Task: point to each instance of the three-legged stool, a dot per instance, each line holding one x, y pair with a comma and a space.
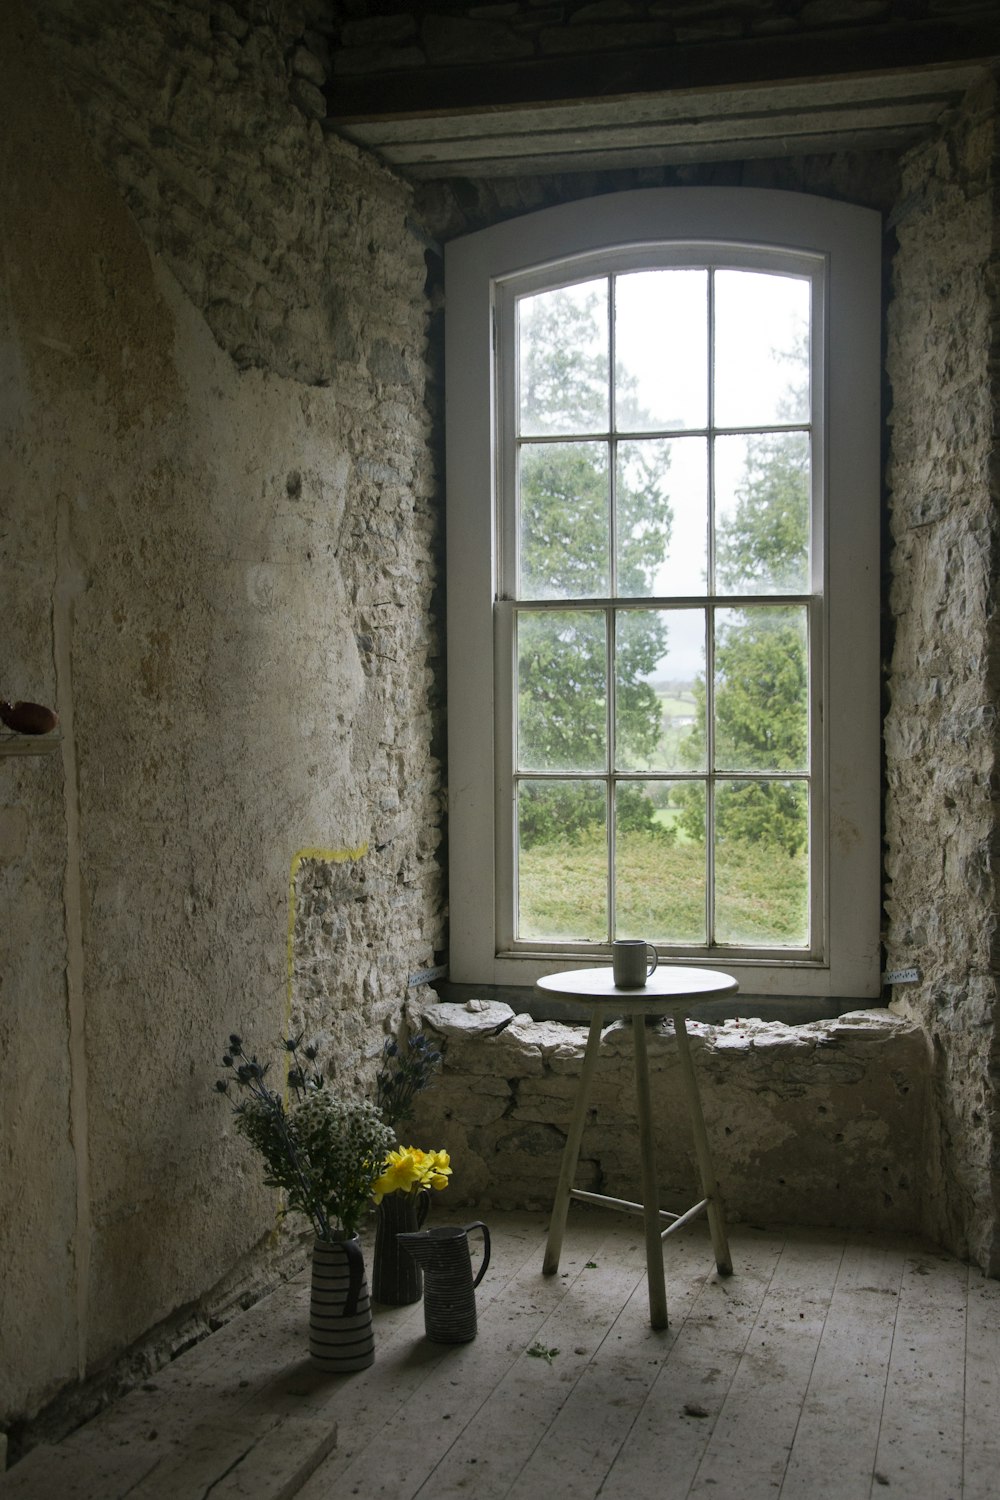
669, 991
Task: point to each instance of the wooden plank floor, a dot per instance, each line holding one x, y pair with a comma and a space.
828, 1367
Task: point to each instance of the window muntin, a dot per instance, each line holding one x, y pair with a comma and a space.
740, 224
616, 379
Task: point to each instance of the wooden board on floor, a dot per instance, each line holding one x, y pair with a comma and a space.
674, 1426
57, 1472
755, 1428
845, 1389
219, 1401
512, 1388
981, 1430
920, 1441
587, 1433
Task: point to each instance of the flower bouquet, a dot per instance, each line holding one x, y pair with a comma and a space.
326, 1154
324, 1151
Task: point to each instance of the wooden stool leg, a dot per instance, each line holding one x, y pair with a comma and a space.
650, 1180
706, 1168
571, 1151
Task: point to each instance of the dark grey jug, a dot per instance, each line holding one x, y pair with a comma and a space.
449, 1289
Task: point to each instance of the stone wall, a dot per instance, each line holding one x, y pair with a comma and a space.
219, 550
206, 116
818, 1124
941, 726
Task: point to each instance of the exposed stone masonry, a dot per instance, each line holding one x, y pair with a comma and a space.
276, 231
941, 727
450, 208
815, 1124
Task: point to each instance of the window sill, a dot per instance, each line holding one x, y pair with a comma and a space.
795, 1010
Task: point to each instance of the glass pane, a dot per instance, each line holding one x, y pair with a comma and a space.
660, 689
761, 349
564, 527
662, 521
762, 487
661, 351
562, 360
761, 689
762, 863
562, 690
562, 863
660, 861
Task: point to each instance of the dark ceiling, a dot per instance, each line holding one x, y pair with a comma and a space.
883, 89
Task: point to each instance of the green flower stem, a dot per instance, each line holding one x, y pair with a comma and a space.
306, 1201
323, 1152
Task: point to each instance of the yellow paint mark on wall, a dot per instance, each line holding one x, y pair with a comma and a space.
329, 856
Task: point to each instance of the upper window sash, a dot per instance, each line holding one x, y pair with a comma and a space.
506, 291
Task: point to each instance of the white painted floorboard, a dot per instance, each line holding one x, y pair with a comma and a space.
828, 1367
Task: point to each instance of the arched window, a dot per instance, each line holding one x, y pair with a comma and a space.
662, 423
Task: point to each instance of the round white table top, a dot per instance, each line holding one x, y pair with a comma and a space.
670, 983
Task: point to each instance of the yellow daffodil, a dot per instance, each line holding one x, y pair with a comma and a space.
439, 1169
410, 1170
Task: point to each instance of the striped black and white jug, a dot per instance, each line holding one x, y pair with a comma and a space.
444, 1256
341, 1336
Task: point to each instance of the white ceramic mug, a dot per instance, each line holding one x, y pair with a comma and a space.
629, 962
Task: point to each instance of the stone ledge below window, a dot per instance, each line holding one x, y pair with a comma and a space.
820, 1123
793, 1010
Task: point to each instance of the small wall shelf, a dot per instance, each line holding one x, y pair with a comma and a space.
29, 744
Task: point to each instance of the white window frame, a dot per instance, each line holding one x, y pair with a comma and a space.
844, 242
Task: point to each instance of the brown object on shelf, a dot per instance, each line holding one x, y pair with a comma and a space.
28, 718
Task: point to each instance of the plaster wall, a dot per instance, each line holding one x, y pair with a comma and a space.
218, 562
941, 725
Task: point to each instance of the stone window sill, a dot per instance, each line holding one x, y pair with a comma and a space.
524, 1000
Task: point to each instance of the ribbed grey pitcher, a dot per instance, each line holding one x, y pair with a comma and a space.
449, 1289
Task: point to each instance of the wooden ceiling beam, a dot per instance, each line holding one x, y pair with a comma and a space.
496, 86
